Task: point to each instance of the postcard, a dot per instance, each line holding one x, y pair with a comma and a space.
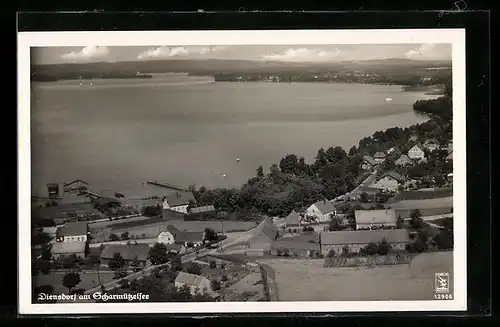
281, 171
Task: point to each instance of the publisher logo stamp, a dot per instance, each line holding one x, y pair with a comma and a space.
442, 283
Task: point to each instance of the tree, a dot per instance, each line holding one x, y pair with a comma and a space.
70, 280
289, 164
136, 264
113, 237
346, 250
363, 197
215, 284
194, 269
416, 221
117, 262
260, 172
125, 236
331, 253
352, 150
210, 235
158, 254
40, 238
383, 247
371, 249
46, 254
400, 222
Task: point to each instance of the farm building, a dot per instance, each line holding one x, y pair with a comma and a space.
431, 144
322, 211
389, 182
298, 246
257, 241
197, 284
356, 240
129, 253
367, 219
61, 250
179, 201
73, 232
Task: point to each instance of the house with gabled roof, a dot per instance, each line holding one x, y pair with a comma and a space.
356, 240
129, 253
413, 138
367, 219
393, 151
322, 211
61, 250
417, 152
179, 201
73, 232
368, 163
197, 284
379, 157
389, 181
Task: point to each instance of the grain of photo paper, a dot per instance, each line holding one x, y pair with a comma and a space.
281, 171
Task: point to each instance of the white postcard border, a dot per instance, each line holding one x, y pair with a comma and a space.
456, 37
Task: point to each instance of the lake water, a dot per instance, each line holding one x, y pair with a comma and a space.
187, 130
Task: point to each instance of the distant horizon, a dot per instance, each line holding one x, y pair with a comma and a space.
245, 60
289, 54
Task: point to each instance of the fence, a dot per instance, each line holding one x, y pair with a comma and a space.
370, 261
270, 290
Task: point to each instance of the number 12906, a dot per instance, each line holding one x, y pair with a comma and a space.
443, 297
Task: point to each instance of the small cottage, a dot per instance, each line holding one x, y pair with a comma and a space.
431, 144
179, 201
389, 182
379, 157
322, 211
129, 253
367, 219
197, 284
417, 152
73, 232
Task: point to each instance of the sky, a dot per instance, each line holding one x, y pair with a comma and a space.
288, 53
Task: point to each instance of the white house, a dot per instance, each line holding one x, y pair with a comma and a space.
179, 201
323, 211
73, 232
379, 157
416, 152
166, 237
389, 182
197, 284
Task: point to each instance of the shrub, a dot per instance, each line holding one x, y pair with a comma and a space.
213, 264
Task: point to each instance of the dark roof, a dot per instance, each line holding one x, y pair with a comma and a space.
172, 214
106, 200
75, 181
370, 160
382, 216
365, 236
392, 174
418, 144
403, 158
127, 251
293, 218
265, 232
203, 209
173, 247
431, 141
180, 198
73, 229
183, 236
324, 206
379, 155
68, 247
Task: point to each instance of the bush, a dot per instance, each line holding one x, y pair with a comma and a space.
113, 237
213, 264
215, 285
331, 253
224, 277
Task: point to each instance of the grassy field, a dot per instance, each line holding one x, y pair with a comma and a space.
446, 202
89, 280
308, 280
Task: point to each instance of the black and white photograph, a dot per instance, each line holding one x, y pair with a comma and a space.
278, 170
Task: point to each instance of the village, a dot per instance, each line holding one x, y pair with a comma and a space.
157, 238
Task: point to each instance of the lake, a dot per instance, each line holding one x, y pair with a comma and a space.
189, 130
